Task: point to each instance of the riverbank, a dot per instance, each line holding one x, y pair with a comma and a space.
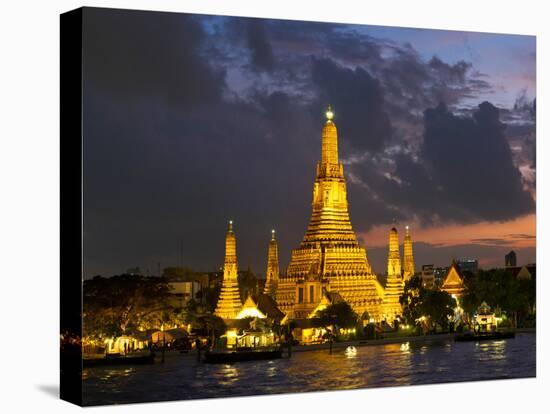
391, 340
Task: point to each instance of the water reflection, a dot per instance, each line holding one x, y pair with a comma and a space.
229, 374
182, 377
351, 352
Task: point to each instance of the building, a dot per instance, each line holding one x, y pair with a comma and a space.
453, 283
510, 260
229, 303
394, 280
408, 258
528, 271
261, 306
181, 292
329, 257
272, 273
485, 320
428, 276
468, 265
439, 274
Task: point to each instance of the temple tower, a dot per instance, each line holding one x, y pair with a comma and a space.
394, 281
272, 273
408, 259
329, 258
229, 303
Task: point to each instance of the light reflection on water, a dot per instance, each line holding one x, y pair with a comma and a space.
181, 377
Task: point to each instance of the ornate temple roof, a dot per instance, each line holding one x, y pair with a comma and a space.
453, 283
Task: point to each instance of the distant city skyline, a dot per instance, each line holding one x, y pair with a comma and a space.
192, 120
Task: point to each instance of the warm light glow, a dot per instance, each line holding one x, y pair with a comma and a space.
231, 333
250, 313
351, 350
329, 114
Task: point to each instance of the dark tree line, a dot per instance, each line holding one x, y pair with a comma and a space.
421, 305
120, 303
501, 289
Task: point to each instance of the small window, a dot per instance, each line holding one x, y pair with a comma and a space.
311, 294
300, 295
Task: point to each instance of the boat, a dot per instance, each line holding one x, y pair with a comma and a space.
137, 359
469, 336
225, 356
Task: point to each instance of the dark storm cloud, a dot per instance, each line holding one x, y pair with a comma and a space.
359, 102
473, 163
464, 173
142, 55
260, 48
492, 241
202, 169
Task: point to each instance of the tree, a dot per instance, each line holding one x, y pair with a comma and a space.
111, 305
500, 288
338, 314
411, 299
438, 306
213, 325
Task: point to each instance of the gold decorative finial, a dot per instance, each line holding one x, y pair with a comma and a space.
329, 114
230, 225
272, 234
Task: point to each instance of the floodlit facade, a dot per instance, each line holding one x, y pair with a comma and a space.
408, 257
453, 283
272, 273
229, 303
394, 280
329, 257
485, 319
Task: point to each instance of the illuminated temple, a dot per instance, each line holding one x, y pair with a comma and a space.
408, 259
272, 273
394, 280
229, 303
329, 259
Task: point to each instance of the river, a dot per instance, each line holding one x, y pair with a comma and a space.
182, 377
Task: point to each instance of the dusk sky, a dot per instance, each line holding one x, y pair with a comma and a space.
192, 120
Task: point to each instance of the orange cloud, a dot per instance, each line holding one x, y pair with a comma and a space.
518, 233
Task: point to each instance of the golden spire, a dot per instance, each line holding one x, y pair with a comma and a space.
230, 251
229, 303
272, 273
394, 281
329, 257
329, 145
408, 259
394, 260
